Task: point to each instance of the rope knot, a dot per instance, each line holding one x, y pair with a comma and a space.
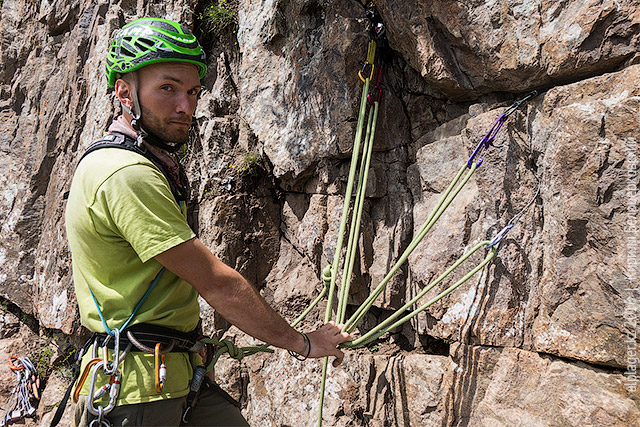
230, 347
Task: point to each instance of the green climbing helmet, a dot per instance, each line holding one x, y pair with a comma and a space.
148, 41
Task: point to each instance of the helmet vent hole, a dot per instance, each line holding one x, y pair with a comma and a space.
144, 43
126, 52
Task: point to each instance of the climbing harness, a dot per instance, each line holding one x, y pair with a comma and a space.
144, 338
27, 388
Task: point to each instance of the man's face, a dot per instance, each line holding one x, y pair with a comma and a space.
168, 94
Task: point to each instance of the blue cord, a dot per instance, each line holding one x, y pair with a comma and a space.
126, 323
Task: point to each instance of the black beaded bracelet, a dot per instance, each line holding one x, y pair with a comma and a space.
307, 346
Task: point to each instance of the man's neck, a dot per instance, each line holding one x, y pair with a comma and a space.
123, 125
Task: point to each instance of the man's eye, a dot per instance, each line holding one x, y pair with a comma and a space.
165, 87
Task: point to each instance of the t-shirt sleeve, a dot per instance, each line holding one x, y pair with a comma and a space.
136, 204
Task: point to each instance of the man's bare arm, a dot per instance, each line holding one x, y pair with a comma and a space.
237, 301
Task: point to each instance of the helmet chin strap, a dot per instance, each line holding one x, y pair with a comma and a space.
136, 124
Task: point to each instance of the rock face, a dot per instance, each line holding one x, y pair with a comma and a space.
544, 335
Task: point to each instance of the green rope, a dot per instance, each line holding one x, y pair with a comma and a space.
347, 200
326, 280
235, 352
354, 231
325, 365
446, 199
386, 326
343, 224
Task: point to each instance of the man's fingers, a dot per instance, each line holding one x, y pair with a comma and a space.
339, 357
325, 341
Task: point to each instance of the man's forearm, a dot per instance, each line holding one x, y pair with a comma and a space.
230, 294
241, 304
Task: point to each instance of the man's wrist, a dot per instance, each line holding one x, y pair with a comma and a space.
306, 349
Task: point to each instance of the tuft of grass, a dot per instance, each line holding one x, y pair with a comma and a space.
249, 165
42, 361
217, 17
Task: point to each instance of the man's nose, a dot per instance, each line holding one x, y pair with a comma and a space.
186, 104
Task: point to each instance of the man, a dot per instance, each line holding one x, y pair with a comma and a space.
136, 262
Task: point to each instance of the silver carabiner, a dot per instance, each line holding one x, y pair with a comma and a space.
111, 368
113, 393
92, 387
99, 422
94, 349
122, 355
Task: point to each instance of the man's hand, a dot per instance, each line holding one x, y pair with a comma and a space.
324, 342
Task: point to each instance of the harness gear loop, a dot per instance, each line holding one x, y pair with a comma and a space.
147, 349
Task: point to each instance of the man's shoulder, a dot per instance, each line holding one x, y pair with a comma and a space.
114, 169
104, 162
114, 157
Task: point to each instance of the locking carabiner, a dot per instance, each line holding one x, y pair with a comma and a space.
160, 368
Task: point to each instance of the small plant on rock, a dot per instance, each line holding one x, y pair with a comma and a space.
249, 165
217, 17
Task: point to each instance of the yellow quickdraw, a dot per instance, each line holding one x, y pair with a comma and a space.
371, 56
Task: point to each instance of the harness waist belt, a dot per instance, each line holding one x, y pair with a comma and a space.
144, 337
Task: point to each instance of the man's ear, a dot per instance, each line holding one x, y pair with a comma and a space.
124, 92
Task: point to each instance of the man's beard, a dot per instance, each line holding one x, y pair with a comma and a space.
158, 129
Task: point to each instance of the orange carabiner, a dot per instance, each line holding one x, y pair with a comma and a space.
83, 378
160, 368
13, 367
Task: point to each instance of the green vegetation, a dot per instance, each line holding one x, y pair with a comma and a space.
217, 17
249, 165
42, 361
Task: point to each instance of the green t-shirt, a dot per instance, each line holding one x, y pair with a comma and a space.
120, 215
